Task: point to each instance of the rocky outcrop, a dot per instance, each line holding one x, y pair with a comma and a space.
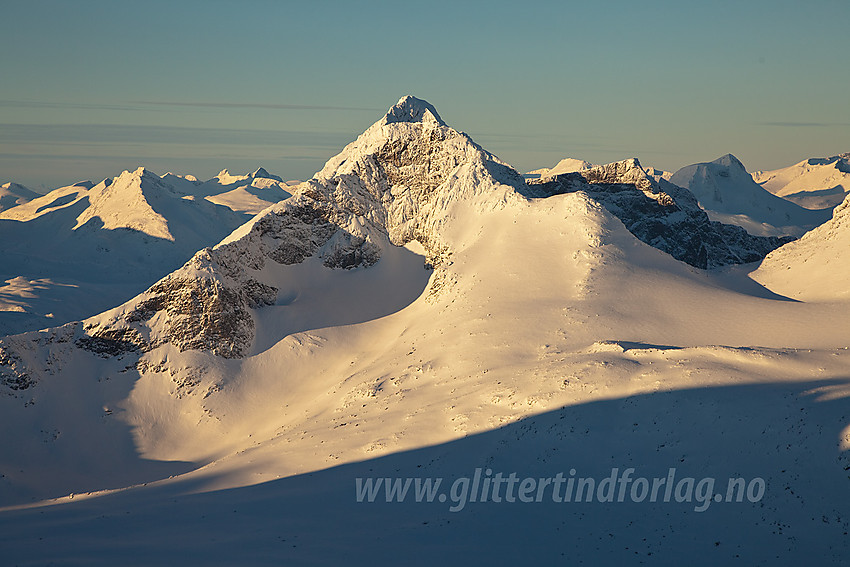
203, 313
13, 372
111, 342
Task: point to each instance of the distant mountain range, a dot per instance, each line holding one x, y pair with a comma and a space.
83, 248
815, 183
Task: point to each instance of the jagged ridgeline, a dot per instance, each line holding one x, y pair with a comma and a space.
400, 181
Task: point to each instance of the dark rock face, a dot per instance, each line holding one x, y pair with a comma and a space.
297, 232
662, 215
419, 164
13, 373
353, 251
197, 313
112, 342
204, 314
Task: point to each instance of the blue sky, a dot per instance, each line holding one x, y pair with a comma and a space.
90, 88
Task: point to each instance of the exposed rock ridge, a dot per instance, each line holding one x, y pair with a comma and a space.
662, 215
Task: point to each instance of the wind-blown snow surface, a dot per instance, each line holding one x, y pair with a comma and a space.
84, 248
728, 194
815, 183
242, 395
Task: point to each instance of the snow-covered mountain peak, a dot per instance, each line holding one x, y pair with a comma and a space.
170, 177
406, 171
125, 203
224, 177
412, 109
140, 171
660, 214
15, 187
731, 162
568, 165
146, 181
838, 160
398, 182
262, 173
11, 185
729, 194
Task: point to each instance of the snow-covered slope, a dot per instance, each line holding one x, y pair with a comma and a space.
14, 194
816, 267
413, 310
728, 193
815, 183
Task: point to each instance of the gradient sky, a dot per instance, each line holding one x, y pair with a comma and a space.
90, 88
